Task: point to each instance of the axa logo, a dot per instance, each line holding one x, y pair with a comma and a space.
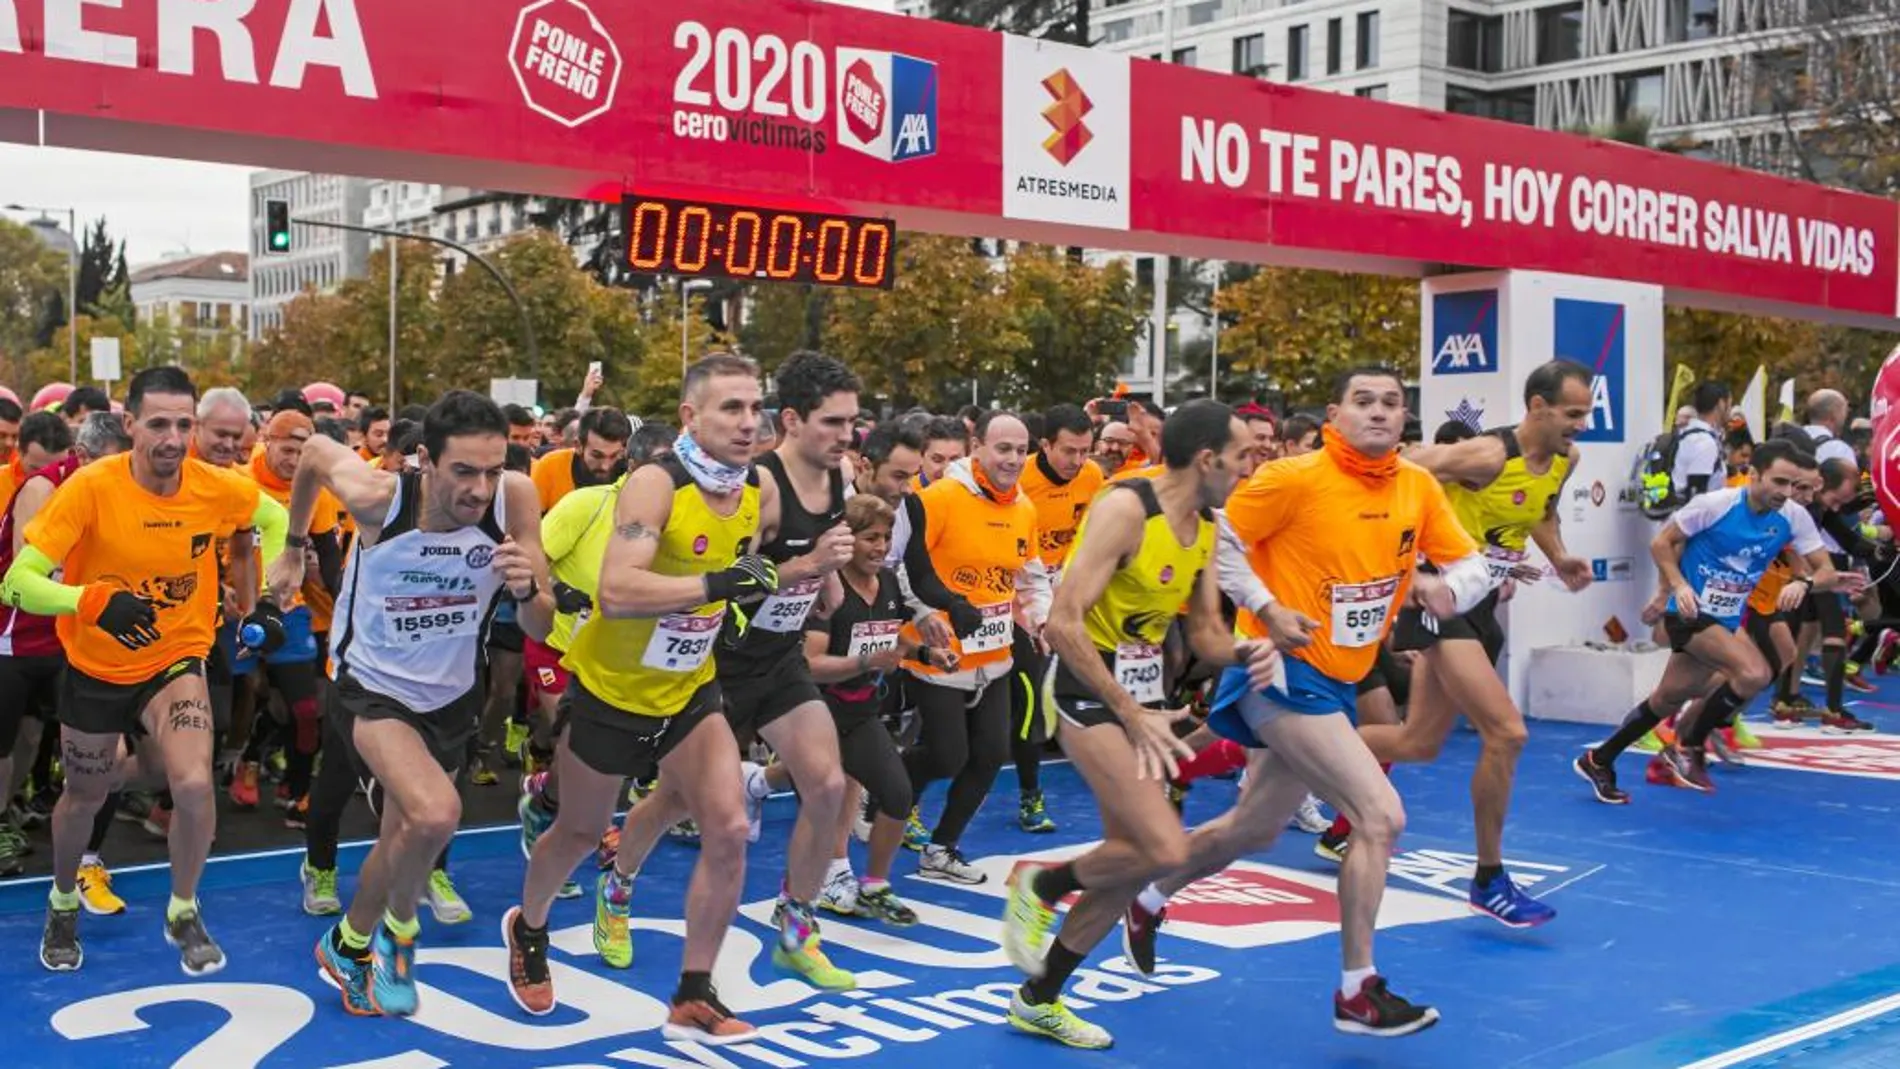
1065, 116
887, 105
1465, 333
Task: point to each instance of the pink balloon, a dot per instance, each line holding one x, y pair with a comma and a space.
9, 395
51, 395
323, 391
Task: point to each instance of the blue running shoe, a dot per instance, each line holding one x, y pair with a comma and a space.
392, 986
348, 974
1502, 901
535, 819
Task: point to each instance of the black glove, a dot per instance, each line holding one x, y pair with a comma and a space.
750, 576
964, 618
569, 600
263, 629
130, 620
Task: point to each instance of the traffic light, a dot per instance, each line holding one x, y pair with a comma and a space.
277, 226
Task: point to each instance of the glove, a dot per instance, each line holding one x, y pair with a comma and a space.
750, 576
128, 618
263, 629
569, 600
964, 619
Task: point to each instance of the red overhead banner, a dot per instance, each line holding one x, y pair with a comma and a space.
793, 103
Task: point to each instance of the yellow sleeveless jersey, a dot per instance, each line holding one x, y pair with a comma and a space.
1501, 515
574, 535
653, 666
1143, 599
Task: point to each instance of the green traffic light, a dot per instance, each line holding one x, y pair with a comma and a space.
280, 241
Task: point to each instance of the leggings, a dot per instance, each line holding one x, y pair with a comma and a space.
869, 756
964, 738
336, 782
1028, 734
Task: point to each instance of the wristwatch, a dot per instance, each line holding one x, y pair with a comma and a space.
297, 541
534, 589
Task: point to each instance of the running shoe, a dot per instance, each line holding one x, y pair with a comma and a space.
1376, 1011
797, 950
861, 827
1688, 768
569, 891
1027, 922
515, 742
348, 975
1885, 653
319, 891
1139, 929
536, 819
613, 905
1743, 736
158, 822
1791, 712
529, 982
244, 786
1032, 817
705, 1020
1308, 818
916, 836
1853, 681
755, 792
882, 904
297, 814
1332, 846
198, 953
840, 894
95, 891
685, 831
59, 941
1724, 749
13, 856
1843, 723
1058, 1022
444, 902
1601, 778
946, 863
482, 775
392, 979
1501, 900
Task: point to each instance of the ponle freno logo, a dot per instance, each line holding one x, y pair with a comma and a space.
1066, 135
567, 65
1072, 105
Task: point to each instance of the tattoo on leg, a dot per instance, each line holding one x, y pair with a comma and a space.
83, 760
189, 714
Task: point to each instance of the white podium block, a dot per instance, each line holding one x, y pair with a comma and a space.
1590, 686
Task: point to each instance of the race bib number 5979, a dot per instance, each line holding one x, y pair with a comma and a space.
1360, 611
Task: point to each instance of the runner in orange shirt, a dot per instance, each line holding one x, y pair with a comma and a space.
600, 458
137, 605
1334, 537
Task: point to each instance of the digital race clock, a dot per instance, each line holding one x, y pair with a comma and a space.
696, 237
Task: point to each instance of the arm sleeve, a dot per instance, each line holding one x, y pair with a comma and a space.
925, 588
1235, 571
273, 526
29, 585
329, 560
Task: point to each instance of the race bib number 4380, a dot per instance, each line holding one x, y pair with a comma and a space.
1360, 611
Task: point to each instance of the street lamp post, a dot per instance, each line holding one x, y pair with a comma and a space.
72, 283
527, 327
686, 304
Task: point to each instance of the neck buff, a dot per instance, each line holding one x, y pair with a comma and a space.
1357, 464
1001, 497
713, 476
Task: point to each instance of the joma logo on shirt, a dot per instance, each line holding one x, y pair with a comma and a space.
441, 551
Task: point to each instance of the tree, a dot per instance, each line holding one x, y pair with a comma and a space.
1080, 322
650, 386
31, 278
944, 323
782, 318
343, 336
1300, 328
1054, 20
53, 363
101, 267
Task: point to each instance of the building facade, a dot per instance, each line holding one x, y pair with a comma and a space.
319, 257
197, 296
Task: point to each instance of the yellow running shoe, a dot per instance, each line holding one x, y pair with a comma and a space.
613, 904
806, 959
1744, 738
1027, 920
1058, 1023
95, 892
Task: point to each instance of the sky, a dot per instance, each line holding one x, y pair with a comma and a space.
159, 207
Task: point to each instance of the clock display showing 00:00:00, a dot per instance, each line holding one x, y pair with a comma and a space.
692, 238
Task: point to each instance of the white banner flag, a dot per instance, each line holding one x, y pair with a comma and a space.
1754, 406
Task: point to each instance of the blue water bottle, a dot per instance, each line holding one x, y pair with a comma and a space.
251, 635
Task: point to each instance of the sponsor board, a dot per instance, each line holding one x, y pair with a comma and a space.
1066, 155
1592, 333
1465, 332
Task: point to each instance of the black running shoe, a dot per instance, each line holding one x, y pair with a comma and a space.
1139, 928
1602, 779
1376, 1011
59, 943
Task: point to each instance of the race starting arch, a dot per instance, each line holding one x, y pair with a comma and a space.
802, 106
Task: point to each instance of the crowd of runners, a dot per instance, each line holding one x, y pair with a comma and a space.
652, 622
